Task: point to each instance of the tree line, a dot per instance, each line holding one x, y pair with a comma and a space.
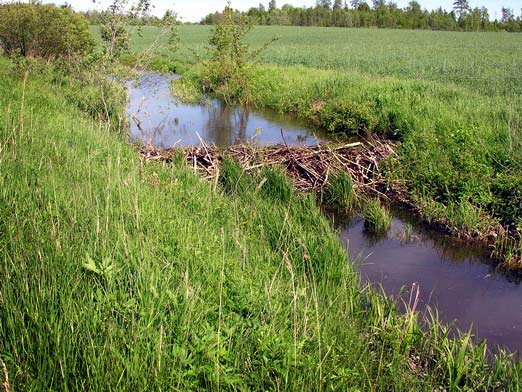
380, 14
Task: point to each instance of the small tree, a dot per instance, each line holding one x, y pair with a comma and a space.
114, 21
461, 7
338, 5
226, 73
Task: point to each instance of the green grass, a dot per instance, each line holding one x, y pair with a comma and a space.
377, 218
122, 276
487, 63
340, 192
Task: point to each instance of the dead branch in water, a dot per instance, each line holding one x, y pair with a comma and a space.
309, 167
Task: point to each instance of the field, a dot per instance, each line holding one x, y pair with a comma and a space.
482, 62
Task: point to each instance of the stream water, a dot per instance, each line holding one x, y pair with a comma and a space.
159, 119
459, 281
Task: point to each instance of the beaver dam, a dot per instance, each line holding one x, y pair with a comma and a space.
309, 167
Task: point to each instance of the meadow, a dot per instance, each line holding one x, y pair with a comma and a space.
118, 275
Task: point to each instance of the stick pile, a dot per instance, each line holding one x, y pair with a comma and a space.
309, 167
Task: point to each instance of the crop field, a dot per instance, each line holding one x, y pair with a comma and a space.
482, 62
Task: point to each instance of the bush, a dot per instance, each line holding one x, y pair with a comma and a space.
35, 30
347, 118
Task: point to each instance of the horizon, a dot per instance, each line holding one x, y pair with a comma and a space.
187, 12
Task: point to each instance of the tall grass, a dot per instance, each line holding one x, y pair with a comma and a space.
116, 275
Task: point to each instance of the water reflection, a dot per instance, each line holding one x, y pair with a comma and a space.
157, 118
460, 281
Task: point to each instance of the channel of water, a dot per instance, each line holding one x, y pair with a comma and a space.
461, 282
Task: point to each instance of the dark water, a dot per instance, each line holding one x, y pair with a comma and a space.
459, 281
159, 119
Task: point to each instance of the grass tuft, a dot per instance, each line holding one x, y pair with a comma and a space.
339, 192
276, 185
377, 218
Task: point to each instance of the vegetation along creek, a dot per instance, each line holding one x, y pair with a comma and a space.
460, 282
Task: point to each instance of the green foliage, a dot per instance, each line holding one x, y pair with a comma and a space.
377, 218
382, 15
36, 30
340, 192
226, 73
115, 36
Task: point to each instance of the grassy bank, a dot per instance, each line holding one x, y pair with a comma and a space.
117, 275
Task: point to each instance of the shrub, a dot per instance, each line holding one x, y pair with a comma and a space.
348, 118
35, 30
226, 72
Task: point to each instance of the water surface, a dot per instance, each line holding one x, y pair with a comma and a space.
159, 119
460, 281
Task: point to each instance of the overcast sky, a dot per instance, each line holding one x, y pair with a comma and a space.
194, 10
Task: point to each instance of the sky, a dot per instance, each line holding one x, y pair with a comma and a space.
195, 10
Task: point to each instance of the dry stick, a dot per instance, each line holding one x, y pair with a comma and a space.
308, 167
5, 383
